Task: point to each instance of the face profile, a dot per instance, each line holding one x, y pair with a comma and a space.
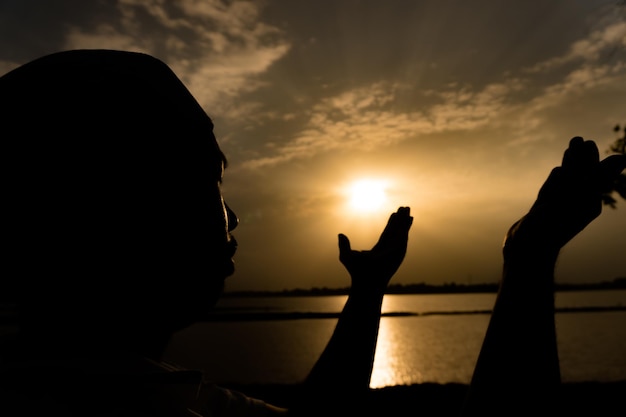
227, 221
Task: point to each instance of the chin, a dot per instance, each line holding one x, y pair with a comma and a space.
229, 269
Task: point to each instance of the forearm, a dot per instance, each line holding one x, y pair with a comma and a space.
341, 375
338, 383
520, 342
347, 361
519, 356
518, 365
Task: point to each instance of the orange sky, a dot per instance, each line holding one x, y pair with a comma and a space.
462, 108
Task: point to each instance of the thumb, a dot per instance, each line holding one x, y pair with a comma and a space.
344, 244
613, 165
610, 169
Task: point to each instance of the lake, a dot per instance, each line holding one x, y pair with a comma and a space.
432, 346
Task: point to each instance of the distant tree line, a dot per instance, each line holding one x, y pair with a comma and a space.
423, 288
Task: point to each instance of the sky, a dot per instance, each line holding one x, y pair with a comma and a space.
454, 108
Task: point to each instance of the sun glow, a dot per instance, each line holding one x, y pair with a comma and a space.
367, 195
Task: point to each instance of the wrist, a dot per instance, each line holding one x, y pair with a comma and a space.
367, 294
537, 254
523, 246
529, 273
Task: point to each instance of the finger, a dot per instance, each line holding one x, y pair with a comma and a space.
408, 219
398, 224
569, 154
404, 211
391, 224
401, 216
551, 184
576, 141
344, 244
590, 153
403, 220
581, 155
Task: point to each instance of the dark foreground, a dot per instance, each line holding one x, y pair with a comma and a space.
577, 399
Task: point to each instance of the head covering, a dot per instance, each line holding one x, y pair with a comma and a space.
102, 153
81, 97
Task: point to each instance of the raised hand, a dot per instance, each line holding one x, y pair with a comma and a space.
568, 201
518, 364
372, 269
344, 368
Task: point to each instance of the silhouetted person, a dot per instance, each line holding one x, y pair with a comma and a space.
517, 372
117, 236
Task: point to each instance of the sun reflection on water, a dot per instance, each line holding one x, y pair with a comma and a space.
422, 349
389, 367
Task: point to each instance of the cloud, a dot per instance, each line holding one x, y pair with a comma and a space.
466, 110
583, 68
579, 80
77, 38
218, 83
354, 118
368, 117
217, 48
591, 49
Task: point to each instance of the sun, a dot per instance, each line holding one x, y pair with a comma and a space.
367, 195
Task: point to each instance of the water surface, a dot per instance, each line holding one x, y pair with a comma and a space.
425, 348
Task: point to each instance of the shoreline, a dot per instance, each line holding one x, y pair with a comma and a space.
589, 398
222, 315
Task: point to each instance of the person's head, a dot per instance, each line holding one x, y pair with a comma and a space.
112, 189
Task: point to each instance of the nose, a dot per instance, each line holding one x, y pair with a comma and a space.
233, 220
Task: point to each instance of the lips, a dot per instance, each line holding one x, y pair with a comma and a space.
232, 247
229, 253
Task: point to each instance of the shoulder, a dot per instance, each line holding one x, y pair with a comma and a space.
216, 401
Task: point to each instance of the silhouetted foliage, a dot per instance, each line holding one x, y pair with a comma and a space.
619, 184
619, 283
